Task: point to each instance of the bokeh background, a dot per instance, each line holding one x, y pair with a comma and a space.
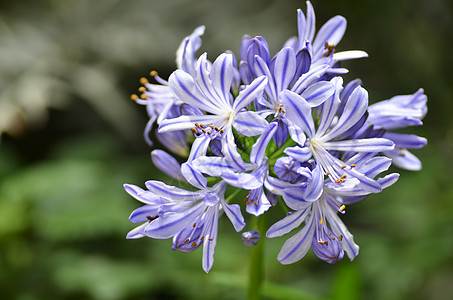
71, 137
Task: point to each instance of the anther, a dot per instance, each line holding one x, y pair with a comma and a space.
330, 49
216, 128
141, 89
327, 173
194, 225
204, 130
194, 130
337, 180
209, 132
342, 207
340, 238
321, 221
197, 125
152, 218
256, 198
186, 241
256, 203
202, 238
211, 126
342, 180
143, 80
153, 73
221, 131
193, 244
324, 243
134, 97
401, 154
353, 165
210, 239
250, 192
143, 96
343, 167
248, 202
344, 176
202, 126
330, 233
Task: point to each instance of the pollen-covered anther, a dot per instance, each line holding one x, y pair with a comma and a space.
281, 109
208, 132
353, 165
338, 180
323, 243
210, 239
152, 218
344, 176
194, 130
248, 202
342, 180
327, 173
143, 96
204, 130
330, 49
250, 192
186, 241
202, 126
153, 73
134, 97
194, 225
211, 126
401, 154
342, 208
221, 131
143, 80
340, 238
342, 167
256, 203
216, 128
141, 89
321, 221
197, 125
193, 244
202, 238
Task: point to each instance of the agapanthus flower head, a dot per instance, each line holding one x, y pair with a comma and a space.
276, 130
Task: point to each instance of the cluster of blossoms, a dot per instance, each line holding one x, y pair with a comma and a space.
284, 131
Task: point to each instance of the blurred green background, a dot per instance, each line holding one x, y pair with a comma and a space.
71, 137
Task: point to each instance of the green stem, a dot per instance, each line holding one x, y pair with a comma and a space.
256, 272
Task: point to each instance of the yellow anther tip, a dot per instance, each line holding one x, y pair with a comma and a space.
153, 73
134, 97
143, 80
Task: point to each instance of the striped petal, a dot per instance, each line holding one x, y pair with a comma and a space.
331, 32
308, 78
249, 123
361, 145
318, 92
298, 245
250, 93
187, 122
210, 232
172, 193
284, 68
233, 212
222, 74
288, 223
298, 111
258, 151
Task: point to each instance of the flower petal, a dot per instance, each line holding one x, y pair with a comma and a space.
212, 166
318, 92
330, 107
140, 194
193, 176
167, 164
406, 140
284, 68
210, 240
298, 111
137, 232
171, 192
229, 149
185, 88
259, 148
169, 224
222, 74
233, 212
346, 55
249, 123
331, 32
308, 78
361, 145
402, 158
298, 153
353, 111
186, 122
250, 93
298, 245
288, 223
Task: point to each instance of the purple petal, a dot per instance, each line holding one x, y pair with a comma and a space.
186, 122
288, 223
185, 88
137, 232
318, 92
346, 55
330, 107
169, 224
298, 245
212, 166
404, 159
185, 55
259, 148
210, 240
406, 140
233, 212
298, 153
284, 68
260, 205
249, 123
229, 149
331, 32
141, 195
193, 176
250, 93
308, 78
298, 111
142, 213
171, 192
251, 238
247, 181
353, 111
361, 145
167, 164
222, 76
314, 187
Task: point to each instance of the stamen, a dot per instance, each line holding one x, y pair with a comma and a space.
141, 89
194, 130
342, 180
194, 225
193, 244
186, 241
216, 128
324, 243
342, 207
337, 180
197, 125
153, 73
211, 126
256, 203
256, 198
210, 239
152, 218
344, 176
221, 131
248, 202
202, 126
401, 154
342, 167
134, 97
143, 96
143, 80
209, 132
204, 130
202, 238
321, 221
250, 192
330, 49
340, 238
330, 233
353, 165
327, 173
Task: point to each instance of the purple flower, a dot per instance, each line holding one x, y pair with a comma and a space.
190, 217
